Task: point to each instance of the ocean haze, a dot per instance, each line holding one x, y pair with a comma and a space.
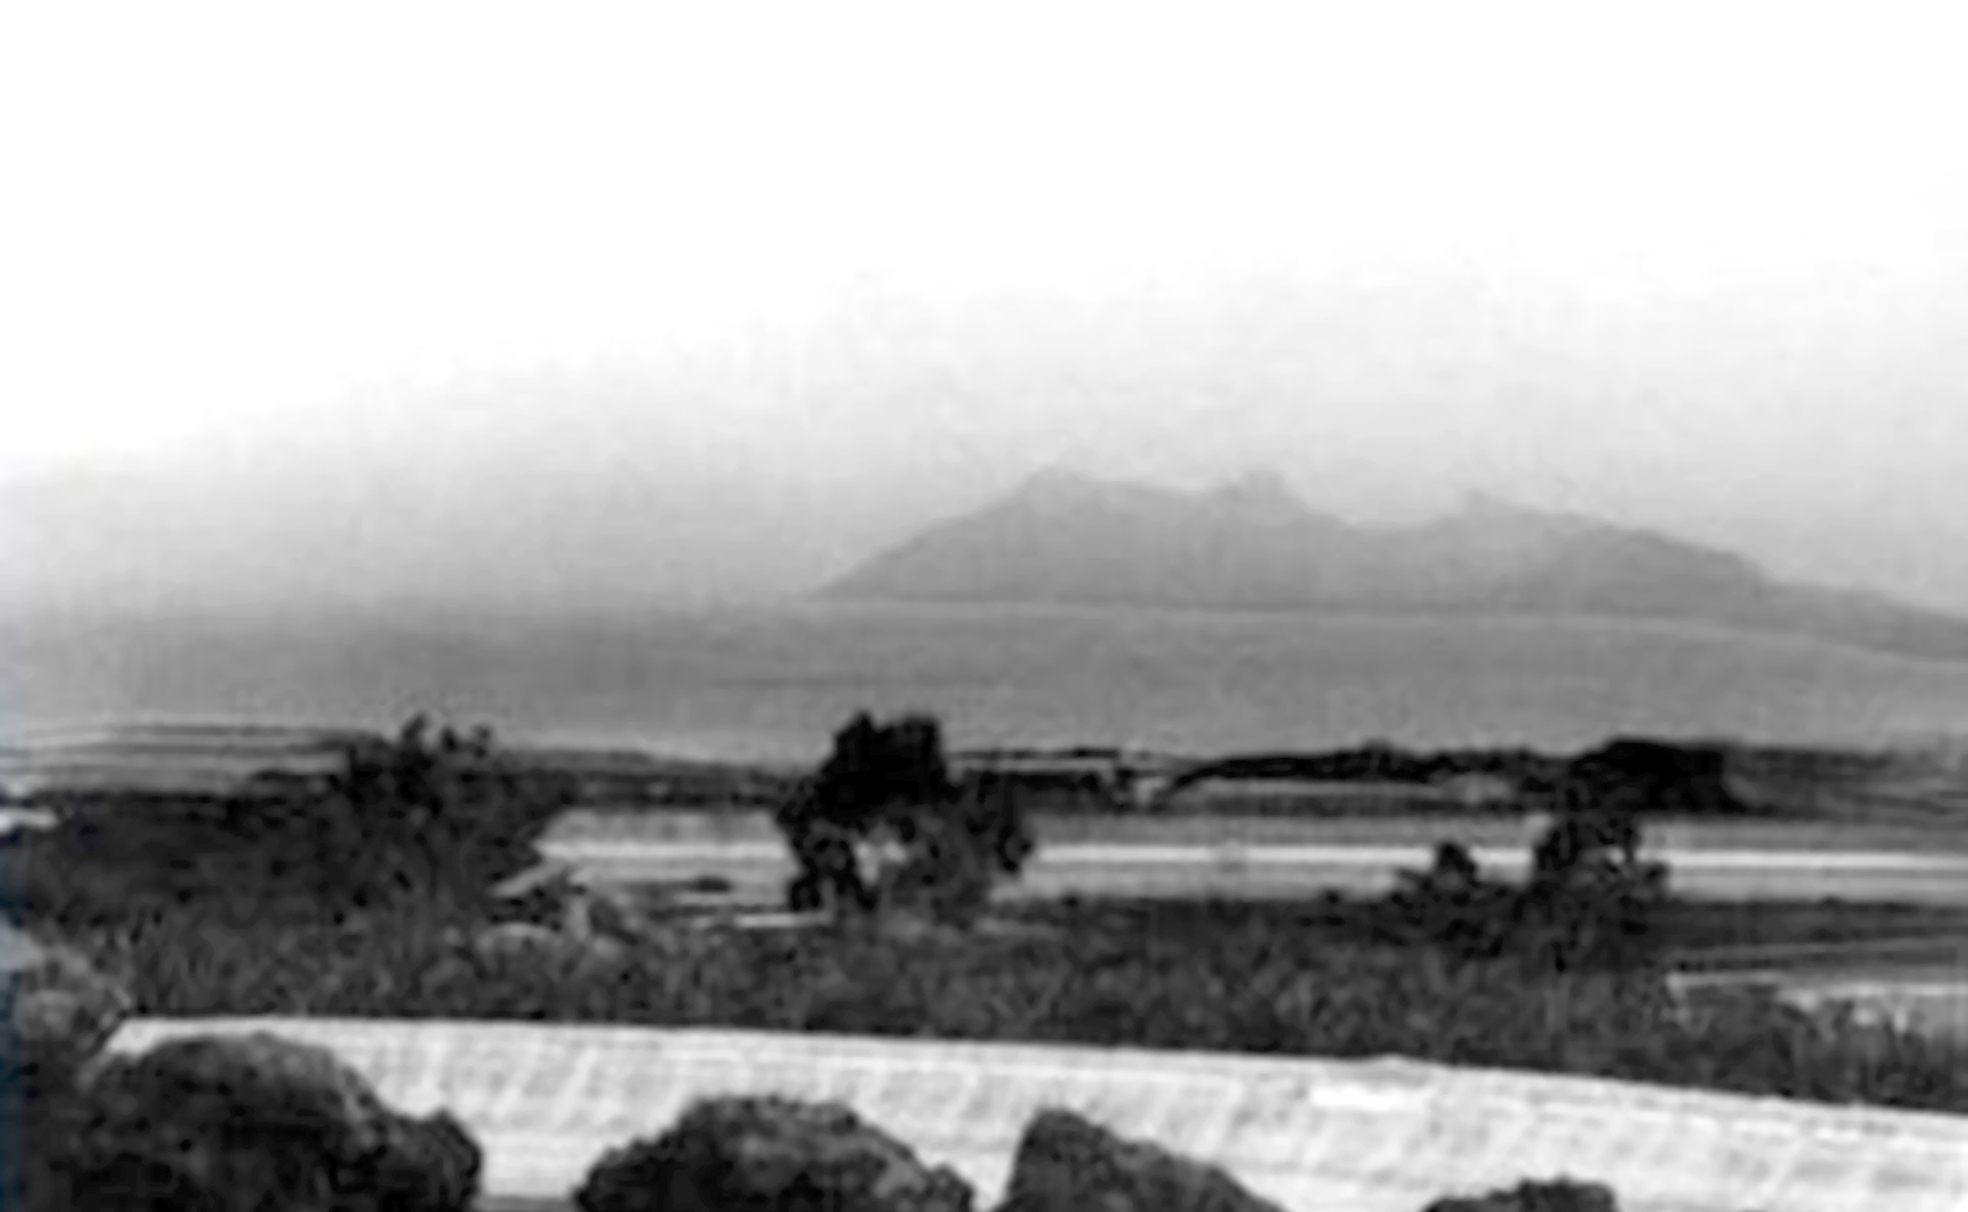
774, 682
758, 469
671, 313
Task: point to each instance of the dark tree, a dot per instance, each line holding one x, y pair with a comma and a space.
416, 814
891, 782
1591, 900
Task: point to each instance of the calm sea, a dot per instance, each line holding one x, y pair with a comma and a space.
773, 682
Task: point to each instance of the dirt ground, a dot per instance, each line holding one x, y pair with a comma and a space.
1471, 829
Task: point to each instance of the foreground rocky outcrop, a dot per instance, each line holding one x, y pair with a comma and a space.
1067, 1164
57, 1011
770, 1155
249, 1122
1560, 1196
254, 1122
781, 1155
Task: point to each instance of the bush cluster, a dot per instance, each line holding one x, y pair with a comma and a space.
1379, 761
889, 784
422, 812
1589, 910
416, 817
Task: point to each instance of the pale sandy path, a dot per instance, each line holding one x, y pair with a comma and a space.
1273, 870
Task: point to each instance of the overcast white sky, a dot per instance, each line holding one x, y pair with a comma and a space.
289, 293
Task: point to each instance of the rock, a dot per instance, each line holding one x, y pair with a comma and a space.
1067, 1164
59, 1010
221, 1124
770, 1155
1563, 1195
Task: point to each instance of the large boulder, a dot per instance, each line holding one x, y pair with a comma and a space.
1068, 1164
58, 1010
770, 1155
1563, 1195
251, 1122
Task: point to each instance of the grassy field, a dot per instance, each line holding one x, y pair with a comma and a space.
1291, 979
1273, 979
202, 915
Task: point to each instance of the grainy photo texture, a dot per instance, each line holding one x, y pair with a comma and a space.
879, 607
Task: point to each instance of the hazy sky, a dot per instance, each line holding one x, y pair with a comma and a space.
587, 301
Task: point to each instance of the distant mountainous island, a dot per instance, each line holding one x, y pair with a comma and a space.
1251, 544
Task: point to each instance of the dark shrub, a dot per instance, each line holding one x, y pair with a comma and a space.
769, 1155
1067, 1164
418, 814
890, 782
405, 819
1560, 1196
1451, 906
56, 1014
1591, 901
57, 1011
248, 1123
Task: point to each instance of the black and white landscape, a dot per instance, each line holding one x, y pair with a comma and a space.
1042, 606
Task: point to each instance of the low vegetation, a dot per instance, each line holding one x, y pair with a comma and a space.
355, 905
419, 817
1229, 977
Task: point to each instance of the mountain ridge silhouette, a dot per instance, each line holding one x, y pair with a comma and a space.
1250, 543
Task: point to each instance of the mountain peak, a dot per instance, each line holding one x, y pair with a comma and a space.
1066, 485
1259, 488
1064, 538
